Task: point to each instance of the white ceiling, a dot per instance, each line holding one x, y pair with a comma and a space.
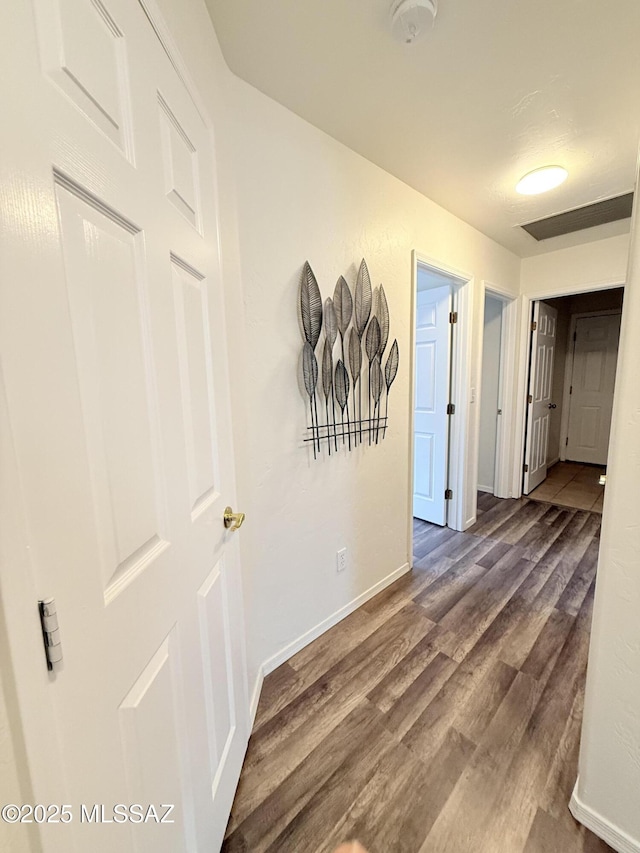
497, 88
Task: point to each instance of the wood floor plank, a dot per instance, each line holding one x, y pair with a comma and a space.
445, 592
494, 517
547, 834
276, 811
444, 715
408, 707
277, 748
480, 785
474, 718
471, 616
542, 657
526, 782
321, 813
404, 673
283, 683
407, 818
574, 593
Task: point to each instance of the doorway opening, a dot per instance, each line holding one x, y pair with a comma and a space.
572, 365
439, 374
497, 375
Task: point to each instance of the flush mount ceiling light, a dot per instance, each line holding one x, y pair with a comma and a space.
541, 180
411, 18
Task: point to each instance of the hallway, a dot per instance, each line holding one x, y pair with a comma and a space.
443, 716
572, 484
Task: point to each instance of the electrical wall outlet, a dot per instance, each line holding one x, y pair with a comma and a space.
341, 560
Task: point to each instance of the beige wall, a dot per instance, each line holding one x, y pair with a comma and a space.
303, 196
607, 790
588, 266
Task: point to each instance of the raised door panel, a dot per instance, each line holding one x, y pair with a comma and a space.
425, 378
83, 51
155, 753
196, 380
219, 689
424, 454
104, 267
180, 164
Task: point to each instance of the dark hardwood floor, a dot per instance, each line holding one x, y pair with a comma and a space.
444, 715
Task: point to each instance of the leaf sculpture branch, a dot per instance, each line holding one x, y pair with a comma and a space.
377, 383
331, 333
310, 374
362, 312
311, 316
355, 364
342, 394
390, 373
327, 385
382, 313
372, 346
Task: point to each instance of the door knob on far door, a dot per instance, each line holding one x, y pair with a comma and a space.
552, 406
233, 520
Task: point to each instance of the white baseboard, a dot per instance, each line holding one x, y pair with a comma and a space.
613, 836
485, 489
553, 462
291, 649
255, 697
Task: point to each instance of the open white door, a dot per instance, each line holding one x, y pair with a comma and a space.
543, 345
595, 358
431, 421
117, 445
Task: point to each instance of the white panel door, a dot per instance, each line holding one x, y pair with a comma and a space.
543, 346
117, 407
431, 427
592, 382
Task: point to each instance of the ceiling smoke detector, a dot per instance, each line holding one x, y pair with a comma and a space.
412, 18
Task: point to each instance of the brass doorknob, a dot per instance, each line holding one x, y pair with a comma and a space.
233, 520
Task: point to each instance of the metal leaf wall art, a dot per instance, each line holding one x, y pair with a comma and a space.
361, 320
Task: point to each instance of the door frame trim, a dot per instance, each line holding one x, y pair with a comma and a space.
502, 486
462, 289
568, 372
520, 410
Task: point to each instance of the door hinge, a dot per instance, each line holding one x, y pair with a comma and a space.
534, 326
50, 632
499, 411
453, 316
570, 389
530, 398
575, 337
448, 494
566, 443
526, 469
451, 409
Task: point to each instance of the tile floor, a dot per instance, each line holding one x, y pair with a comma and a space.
572, 484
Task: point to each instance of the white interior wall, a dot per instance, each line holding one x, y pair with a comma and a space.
303, 196
588, 266
490, 386
606, 796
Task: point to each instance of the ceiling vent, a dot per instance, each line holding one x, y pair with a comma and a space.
609, 210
